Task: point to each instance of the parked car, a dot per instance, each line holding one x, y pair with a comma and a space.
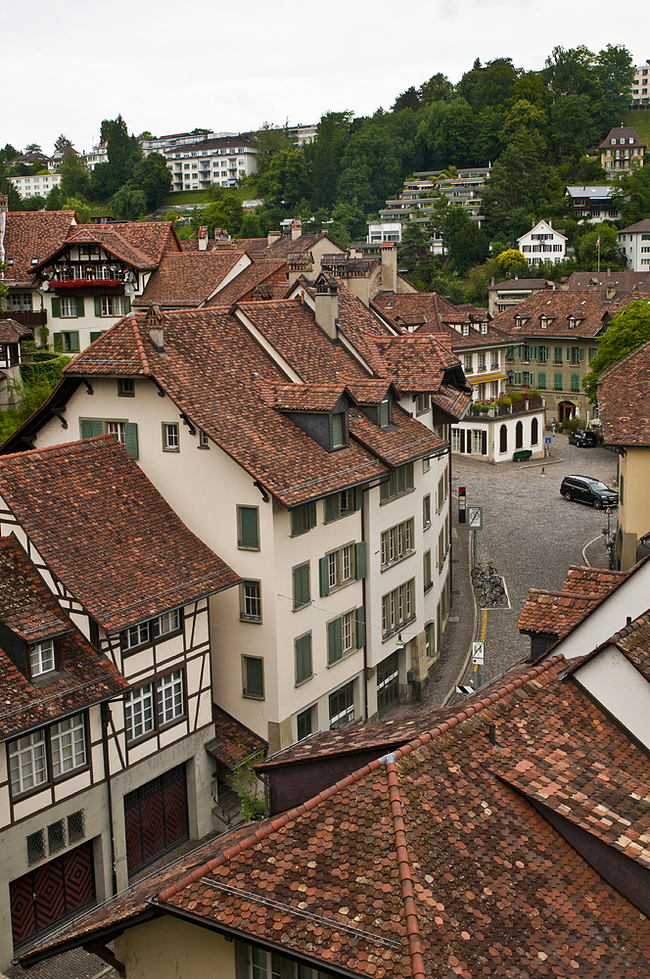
588, 489
584, 439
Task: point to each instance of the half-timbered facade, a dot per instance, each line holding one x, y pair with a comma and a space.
104, 633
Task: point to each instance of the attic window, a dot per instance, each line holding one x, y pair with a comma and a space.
339, 430
572, 322
614, 142
518, 322
465, 329
384, 413
41, 658
543, 322
34, 261
484, 328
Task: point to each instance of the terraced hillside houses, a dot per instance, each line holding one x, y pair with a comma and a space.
308, 445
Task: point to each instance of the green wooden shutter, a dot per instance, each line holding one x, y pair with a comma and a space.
311, 514
131, 439
568, 353
533, 352
361, 627
581, 354
56, 306
334, 641
332, 507
575, 383
557, 382
301, 590
91, 427
360, 563
95, 335
127, 305
73, 338
303, 658
248, 527
557, 355
541, 380
358, 497
80, 305
57, 340
324, 575
98, 305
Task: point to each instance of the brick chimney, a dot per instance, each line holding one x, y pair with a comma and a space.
155, 320
296, 229
389, 266
203, 239
272, 237
327, 305
4, 203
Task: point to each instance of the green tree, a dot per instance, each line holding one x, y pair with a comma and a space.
123, 153
414, 254
286, 179
324, 155
75, 180
61, 143
511, 262
129, 203
437, 89
226, 213
7, 153
493, 84
348, 223
628, 330
152, 176
81, 206
54, 200
36, 203
269, 141
588, 248
631, 194
409, 99
6, 187
33, 148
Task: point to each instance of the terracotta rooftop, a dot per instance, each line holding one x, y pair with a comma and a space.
622, 388
188, 279
557, 613
259, 272
623, 280
32, 235
121, 550
233, 742
308, 397
638, 228
634, 642
412, 308
447, 857
621, 132
591, 311
28, 609
518, 285
13, 332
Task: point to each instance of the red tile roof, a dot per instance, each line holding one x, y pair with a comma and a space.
29, 609
591, 310
269, 272
29, 235
120, 549
557, 613
13, 332
233, 742
622, 391
188, 279
435, 860
308, 397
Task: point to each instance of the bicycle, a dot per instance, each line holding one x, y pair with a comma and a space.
482, 578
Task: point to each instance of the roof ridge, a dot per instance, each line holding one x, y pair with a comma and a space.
140, 346
292, 814
564, 594
71, 446
404, 867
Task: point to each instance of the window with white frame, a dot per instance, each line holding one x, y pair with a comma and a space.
398, 608
170, 437
47, 755
340, 565
147, 632
68, 306
41, 657
68, 745
112, 306
250, 597
118, 429
341, 706
397, 543
154, 705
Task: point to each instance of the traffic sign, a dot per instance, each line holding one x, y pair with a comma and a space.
478, 653
548, 440
608, 511
475, 517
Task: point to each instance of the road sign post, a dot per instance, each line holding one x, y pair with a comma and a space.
478, 659
475, 522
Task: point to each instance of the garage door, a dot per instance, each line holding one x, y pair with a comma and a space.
52, 892
155, 817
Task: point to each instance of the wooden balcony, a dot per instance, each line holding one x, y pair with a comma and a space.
25, 319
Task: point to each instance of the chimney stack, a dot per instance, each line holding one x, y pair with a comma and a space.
272, 237
203, 239
389, 266
155, 320
4, 203
327, 305
296, 229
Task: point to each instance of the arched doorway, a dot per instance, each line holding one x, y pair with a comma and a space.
503, 439
566, 410
534, 432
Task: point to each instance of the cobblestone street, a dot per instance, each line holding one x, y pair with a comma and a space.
531, 534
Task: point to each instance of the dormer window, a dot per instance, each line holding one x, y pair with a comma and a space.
614, 141
41, 658
465, 329
518, 322
339, 430
384, 413
572, 322
543, 322
484, 328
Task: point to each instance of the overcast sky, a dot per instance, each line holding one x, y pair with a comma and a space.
172, 65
